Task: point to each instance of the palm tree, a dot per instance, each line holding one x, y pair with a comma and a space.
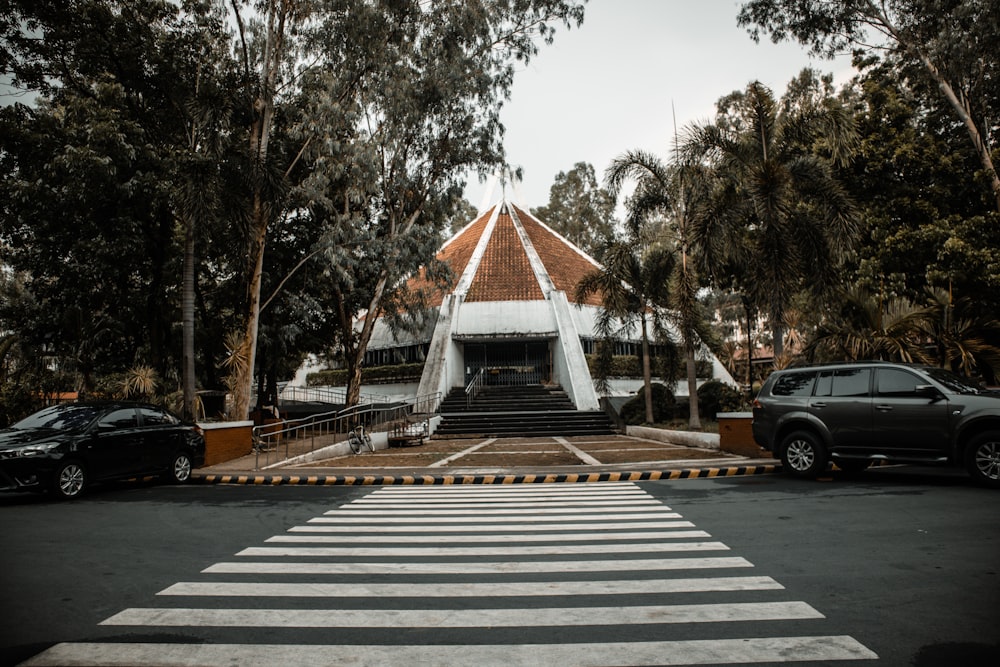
779, 220
632, 284
673, 193
960, 335
867, 327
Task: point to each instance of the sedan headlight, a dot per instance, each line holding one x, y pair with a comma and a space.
38, 449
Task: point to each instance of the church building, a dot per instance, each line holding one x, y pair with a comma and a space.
508, 316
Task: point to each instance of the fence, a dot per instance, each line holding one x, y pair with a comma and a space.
281, 440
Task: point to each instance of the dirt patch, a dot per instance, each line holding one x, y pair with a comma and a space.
515, 447
642, 455
621, 445
512, 459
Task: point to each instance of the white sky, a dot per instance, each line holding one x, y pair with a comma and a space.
608, 86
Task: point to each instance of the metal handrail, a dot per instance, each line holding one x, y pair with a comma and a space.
268, 438
325, 395
474, 387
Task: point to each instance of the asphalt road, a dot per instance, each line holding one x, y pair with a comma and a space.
901, 562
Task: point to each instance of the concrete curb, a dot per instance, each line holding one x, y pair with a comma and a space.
443, 479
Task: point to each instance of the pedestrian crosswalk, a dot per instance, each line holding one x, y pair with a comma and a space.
562, 574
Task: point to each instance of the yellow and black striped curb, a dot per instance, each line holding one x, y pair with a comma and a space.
444, 479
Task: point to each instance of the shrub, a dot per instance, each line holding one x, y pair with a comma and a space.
634, 411
370, 375
715, 397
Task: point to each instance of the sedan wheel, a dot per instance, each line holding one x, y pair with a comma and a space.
802, 454
180, 469
69, 480
983, 458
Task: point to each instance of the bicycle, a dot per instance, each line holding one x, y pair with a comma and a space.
358, 437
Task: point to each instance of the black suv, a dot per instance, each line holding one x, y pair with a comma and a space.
857, 413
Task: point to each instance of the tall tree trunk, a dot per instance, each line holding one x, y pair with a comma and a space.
749, 311
647, 375
187, 323
694, 421
777, 338
243, 382
353, 361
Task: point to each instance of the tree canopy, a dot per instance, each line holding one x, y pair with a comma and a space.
580, 209
227, 150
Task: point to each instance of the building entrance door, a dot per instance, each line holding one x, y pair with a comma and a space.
509, 363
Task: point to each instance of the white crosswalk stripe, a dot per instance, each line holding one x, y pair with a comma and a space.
463, 618
393, 576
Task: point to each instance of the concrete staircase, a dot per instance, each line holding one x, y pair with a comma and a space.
524, 411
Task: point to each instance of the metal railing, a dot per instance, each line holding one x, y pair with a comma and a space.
281, 440
325, 395
474, 387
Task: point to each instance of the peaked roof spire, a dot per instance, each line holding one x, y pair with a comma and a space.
508, 255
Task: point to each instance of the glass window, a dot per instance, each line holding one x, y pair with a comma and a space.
122, 418
851, 382
61, 417
154, 417
795, 384
962, 385
824, 386
897, 382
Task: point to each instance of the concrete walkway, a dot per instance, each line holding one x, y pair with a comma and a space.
493, 461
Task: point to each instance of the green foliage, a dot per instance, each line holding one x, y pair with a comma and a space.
580, 209
163, 154
715, 397
369, 375
947, 46
669, 367
781, 221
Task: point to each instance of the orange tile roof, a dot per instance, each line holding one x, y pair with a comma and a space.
564, 264
456, 253
504, 272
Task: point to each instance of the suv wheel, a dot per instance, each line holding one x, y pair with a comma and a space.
982, 458
802, 454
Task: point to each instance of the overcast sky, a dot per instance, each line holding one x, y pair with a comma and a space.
608, 86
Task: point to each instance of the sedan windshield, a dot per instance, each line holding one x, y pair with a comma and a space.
957, 383
60, 417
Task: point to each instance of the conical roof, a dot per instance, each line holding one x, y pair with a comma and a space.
507, 254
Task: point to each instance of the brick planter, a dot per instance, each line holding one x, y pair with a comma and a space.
736, 435
225, 441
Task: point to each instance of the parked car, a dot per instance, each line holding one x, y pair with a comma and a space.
856, 413
65, 448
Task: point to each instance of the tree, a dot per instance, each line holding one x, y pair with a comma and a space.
414, 87
580, 209
674, 192
153, 76
863, 326
779, 219
633, 286
927, 223
952, 40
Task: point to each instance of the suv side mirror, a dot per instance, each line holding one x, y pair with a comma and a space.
929, 391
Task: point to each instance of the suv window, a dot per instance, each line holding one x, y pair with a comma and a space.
798, 383
896, 382
844, 382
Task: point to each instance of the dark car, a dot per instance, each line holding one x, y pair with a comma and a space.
856, 413
65, 448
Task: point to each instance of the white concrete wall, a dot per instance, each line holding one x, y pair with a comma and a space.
506, 318
571, 370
